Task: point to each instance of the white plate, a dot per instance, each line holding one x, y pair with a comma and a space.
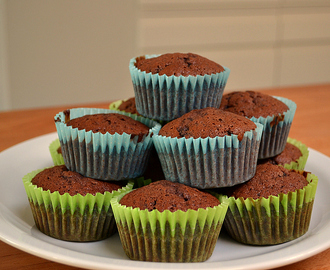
17, 226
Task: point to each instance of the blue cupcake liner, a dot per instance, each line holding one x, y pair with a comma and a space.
276, 130
163, 97
104, 156
209, 162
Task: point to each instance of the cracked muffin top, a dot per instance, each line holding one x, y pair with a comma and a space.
110, 122
251, 103
178, 64
59, 178
289, 154
269, 179
207, 122
129, 106
166, 195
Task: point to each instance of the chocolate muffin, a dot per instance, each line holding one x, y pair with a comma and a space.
68, 206
253, 104
56, 152
290, 154
169, 85
207, 122
178, 64
273, 207
166, 195
269, 180
111, 123
168, 222
105, 144
209, 148
274, 113
129, 106
60, 179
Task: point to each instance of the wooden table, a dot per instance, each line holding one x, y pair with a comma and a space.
310, 126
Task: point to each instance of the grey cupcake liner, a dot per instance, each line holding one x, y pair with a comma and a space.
104, 156
163, 97
210, 162
276, 130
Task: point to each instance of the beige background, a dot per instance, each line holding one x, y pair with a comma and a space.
66, 52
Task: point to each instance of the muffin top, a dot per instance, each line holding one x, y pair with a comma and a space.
251, 103
110, 122
289, 154
128, 106
207, 122
166, 195
178, 64
59, 178
269, 179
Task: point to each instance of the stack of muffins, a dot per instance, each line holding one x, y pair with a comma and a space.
212, 159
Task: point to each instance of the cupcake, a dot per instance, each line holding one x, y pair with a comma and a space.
169, 85
168, 222
104, 144
56, 152
294, 156
209, 148
274, 113
127, 105
274, 207
67, 206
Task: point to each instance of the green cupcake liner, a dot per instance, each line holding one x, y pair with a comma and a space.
115, 105
276, 130
72, 218
274, 220
141, 182
56, 156
169, 97
168, 236
300, 163
104, 156
209, 162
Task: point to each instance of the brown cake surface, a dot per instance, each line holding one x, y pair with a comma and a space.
178, 64
110, 122
207, 122
251, 103
128, 106
59, 178
289, 154
166, 195
269, 179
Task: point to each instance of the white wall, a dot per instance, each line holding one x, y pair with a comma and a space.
68, 52
265, 43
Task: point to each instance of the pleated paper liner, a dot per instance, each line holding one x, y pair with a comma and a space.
274, 220
300, 163
104, 156
168, 97
115, 105
56, 156
210, 162
168, 236
72, 218
276, 130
